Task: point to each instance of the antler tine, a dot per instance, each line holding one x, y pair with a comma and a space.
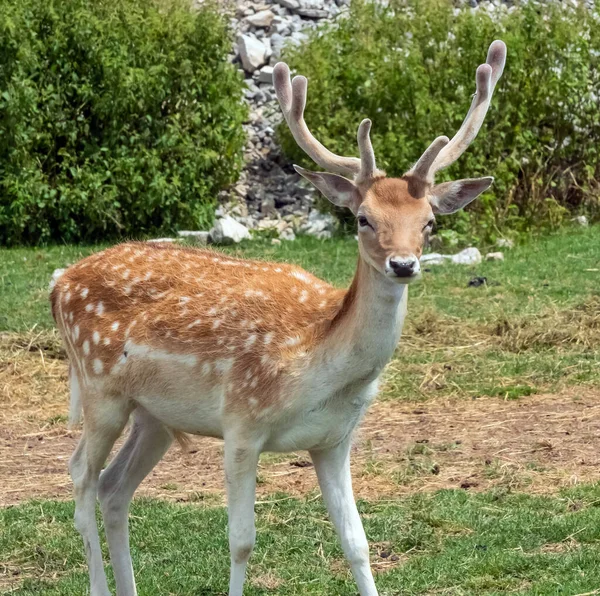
486, 77
422, 168
367, 155
292, 99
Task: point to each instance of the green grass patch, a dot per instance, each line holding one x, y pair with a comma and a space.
451, 542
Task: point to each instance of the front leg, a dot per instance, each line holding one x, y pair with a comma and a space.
333, 471
241, 461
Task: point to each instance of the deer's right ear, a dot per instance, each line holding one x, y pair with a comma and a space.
339, 190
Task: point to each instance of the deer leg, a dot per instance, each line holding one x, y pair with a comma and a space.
148, 441
333, 471
241, 460
103, 425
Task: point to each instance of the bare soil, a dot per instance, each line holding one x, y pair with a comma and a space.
534, 444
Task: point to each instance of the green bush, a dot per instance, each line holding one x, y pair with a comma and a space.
410, 67
117, 118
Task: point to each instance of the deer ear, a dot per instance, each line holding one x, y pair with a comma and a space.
339, 190
450, 197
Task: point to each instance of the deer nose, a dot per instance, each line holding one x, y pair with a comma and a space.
404, 266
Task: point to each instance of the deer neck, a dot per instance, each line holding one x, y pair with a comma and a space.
367, 327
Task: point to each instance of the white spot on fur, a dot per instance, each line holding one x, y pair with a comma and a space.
223, 366
216, 323
301, 276
292, 341
250, 341
303, 296
106, 341
126, 274
86, 347
206, 368
196, 322
278, 270
98, 366
100, 309
89, 307
184, 300
268, 338
67, 297
115, 326
76, 332
155, 354
253, 402
84, 293
96, 337
127, 290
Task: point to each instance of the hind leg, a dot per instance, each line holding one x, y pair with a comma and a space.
104, 421
148, 441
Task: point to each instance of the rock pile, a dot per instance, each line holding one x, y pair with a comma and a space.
269, 193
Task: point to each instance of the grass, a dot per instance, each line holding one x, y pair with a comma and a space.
531, 328
447, 543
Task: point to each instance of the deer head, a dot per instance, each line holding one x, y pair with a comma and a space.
395, 215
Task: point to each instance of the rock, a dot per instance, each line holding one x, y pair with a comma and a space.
468, 256
199, 238
275, 241
287, 234
253, 53
229, 231
264, 18
494, 256
291, 4
265, 75
505, 243
581, 220
313, 13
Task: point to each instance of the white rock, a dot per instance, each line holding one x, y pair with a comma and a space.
229, 231
291, 4
194, 237
494, 256
264, 18
582, 220
253, 52
275, 241
468, 256
266, 74
287, 234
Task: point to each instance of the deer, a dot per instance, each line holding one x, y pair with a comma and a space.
183, 341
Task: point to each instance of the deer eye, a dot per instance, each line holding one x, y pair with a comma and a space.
363, 222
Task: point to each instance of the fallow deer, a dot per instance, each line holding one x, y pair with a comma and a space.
263, 355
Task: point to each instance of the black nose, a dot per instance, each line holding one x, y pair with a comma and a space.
403, 268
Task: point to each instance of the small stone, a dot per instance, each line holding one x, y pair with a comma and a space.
275, 241
253, 52
291, 4
468, 256
266, 74
199, 238
287, 234
581, 220
494, 256
313, 13
229, 231
264, 18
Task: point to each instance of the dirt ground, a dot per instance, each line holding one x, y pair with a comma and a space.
534, 444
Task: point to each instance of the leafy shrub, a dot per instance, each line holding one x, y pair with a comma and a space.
117, 117
410, 67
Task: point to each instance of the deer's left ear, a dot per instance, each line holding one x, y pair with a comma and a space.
339, 190
450, 197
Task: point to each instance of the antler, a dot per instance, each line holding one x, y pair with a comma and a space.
441, 153
292, 99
